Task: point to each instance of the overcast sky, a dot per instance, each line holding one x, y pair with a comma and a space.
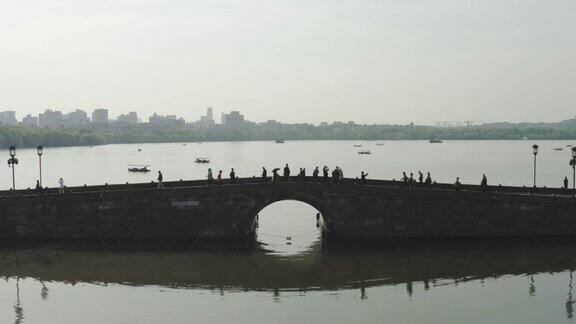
374, 61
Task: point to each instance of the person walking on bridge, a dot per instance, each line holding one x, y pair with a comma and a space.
404, 178
325, 170
363, 176
210, 177
38, 187
484, 183
301, 174
340, 175
287, 173
335, 175
420, 177
232, 176
428, 181
160, 179
565, 182
315, 173
457, 184
61, 186
264, 174
219, 177
275, 175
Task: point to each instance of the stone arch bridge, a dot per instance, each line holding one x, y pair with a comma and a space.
189, 210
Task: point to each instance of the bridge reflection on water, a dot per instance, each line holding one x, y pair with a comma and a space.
332, 266
325, 267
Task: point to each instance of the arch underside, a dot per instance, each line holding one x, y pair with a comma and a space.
264, 202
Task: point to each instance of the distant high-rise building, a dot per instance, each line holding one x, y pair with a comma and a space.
51, 119
8, 118
234, 118
207, 120
166, 121
30, 121
100, 116
76, 118
130, 118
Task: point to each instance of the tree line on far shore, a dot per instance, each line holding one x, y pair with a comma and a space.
31, 137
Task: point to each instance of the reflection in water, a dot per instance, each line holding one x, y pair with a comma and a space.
570, 300
334, 267
331, 267
43, 291
532, 288
18, 309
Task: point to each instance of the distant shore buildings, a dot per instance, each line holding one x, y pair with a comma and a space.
78, 118
52, 118
234, 118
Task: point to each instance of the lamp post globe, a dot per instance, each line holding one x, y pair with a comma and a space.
40, 150
535, 149
12, 150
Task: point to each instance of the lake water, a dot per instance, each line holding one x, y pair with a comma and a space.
291, 276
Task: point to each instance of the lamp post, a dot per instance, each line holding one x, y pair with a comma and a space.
573, 165
535, 152
11, 162
40, 151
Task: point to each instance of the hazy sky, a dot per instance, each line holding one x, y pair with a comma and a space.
294, 60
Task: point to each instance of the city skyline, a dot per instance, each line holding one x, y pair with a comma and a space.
77, 117
372, 62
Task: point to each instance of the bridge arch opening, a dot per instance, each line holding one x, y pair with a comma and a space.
288, 227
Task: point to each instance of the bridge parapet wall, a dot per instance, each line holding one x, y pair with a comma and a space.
350, 211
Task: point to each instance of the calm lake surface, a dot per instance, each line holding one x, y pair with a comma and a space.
291, 276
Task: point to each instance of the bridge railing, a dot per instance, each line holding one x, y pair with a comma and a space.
127, 189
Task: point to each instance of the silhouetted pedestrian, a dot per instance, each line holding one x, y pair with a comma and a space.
325, 170
565, 182
484, 183
404, 177
160, 179
411, 180
38, 187
219, 177
315, 173
340, 175
420, 177
232, 176
286, 173
301, 174
335, 175
428, 181
363, 176
264, 174
210, 177
457, 184
275, 175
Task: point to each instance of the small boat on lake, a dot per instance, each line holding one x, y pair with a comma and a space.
558, 149
202, 160
142, 169
435, 140
357, 145
364, 152
279, 141
380, 144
